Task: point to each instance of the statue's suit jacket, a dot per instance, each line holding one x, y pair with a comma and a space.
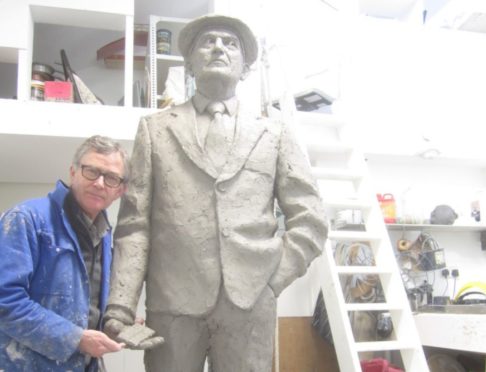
190, 231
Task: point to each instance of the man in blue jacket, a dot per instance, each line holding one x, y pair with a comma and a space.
55, 267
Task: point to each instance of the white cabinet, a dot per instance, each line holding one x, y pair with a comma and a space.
159, 63
17, 27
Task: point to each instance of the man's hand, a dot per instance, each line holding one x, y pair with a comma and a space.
96, 343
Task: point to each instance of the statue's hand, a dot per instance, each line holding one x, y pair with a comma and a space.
149, 343
113, 327
136, 336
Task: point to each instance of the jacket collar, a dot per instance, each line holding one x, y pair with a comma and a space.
59, 194
201, 102
248, 132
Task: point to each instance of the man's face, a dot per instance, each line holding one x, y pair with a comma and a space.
94, 196
218, 53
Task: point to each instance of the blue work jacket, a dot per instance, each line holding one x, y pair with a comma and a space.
44, 287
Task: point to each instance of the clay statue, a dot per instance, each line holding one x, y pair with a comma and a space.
198, 222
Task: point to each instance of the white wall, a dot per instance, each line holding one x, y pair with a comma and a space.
416, 88
13, 193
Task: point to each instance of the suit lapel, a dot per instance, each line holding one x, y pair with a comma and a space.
183, 126
248, 132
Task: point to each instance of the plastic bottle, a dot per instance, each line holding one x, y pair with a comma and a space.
388, 207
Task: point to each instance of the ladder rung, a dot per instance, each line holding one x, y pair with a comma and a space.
341, 235
372, 306
336, 174
311, 119
363, 270
347, 203
384, 345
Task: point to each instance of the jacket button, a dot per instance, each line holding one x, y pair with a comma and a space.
221, 187
225, 232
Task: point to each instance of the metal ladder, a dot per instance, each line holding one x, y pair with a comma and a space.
344, 182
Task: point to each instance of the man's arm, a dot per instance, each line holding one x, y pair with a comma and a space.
305, 221
21, 318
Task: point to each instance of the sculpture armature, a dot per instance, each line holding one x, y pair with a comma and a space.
198, 222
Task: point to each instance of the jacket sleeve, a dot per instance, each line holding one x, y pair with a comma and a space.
21, 318
131, 238
305, 223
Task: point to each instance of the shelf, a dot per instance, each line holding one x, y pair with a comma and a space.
164, 62
465, 332
54, 130
422, 227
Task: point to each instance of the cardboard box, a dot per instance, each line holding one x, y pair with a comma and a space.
58, 91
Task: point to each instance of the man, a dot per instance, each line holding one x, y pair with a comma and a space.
198, 223
55, 267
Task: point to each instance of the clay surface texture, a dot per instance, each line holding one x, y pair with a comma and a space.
198, 223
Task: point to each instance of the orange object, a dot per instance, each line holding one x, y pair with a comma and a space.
388, 207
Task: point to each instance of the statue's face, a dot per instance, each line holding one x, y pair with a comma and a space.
218, 54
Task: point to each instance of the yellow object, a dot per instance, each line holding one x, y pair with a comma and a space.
465, 287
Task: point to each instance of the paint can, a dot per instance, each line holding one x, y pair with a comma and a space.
163, 41
37, 90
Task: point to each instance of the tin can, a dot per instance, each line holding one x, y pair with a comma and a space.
163, 41
37, 90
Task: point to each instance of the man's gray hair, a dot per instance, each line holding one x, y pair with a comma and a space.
102, 145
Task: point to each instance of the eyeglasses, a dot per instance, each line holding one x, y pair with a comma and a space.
109, 179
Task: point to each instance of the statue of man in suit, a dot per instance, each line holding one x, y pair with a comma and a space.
198, 222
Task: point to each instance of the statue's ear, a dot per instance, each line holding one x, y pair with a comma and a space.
245, 72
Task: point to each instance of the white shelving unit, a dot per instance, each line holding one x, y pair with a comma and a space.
17, 47
159, 64
35, 137
432, 228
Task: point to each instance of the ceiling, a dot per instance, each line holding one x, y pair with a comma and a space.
178, 9
467, 15
464, 15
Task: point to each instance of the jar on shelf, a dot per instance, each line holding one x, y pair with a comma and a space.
163, 41
37, 90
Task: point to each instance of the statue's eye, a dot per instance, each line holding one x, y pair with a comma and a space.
231, 43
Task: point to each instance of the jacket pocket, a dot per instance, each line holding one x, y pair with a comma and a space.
58, 268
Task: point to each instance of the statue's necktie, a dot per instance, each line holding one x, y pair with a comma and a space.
217, 141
